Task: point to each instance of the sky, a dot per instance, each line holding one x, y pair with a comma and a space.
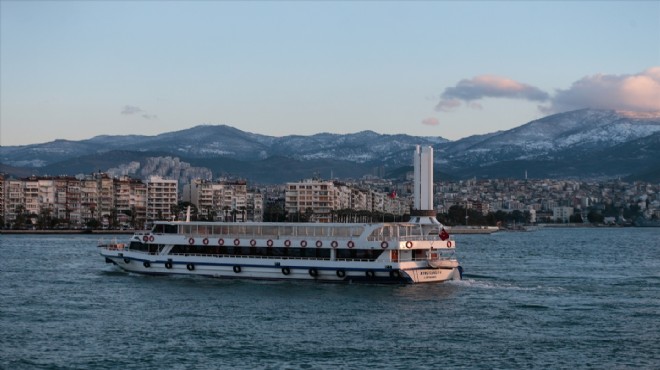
74, 70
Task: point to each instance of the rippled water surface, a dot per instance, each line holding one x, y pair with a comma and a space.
545, 299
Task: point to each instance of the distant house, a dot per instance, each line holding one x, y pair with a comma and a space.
609, 220
562, 214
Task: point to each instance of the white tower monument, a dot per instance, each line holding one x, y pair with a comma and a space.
423, 184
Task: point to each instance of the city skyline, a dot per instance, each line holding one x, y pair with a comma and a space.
74, 70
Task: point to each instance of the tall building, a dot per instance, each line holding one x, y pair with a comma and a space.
2, 200
161, 197
423, 181
317, 196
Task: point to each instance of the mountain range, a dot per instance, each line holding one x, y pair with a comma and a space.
586, 144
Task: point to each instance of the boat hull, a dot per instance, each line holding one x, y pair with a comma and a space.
281, 269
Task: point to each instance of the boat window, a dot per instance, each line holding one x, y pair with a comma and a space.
171, 229
137, 246
386, 232
158, 229
363, 254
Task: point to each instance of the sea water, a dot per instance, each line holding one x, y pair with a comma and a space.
585, 298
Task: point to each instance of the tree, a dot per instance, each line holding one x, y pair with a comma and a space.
21, 217
595, 217
576, 218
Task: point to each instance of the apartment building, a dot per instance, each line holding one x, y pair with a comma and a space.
224, 200
321, 198
161, 197
2, 198
316, 195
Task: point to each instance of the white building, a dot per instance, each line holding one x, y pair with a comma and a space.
161, 197
562, 214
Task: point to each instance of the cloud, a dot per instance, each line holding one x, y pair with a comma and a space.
638, 93
487, 86
431, 121
131, 110
448, 105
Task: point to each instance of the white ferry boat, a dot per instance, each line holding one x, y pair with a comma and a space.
410, 252
417, 251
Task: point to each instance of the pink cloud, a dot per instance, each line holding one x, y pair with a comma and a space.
431, 121
487, 86
637, 93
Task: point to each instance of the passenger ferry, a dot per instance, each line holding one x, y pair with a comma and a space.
417, 251
411, 252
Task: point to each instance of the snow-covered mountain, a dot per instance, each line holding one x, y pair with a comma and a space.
554, 137
571, 144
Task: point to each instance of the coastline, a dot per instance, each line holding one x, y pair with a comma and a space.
65, 232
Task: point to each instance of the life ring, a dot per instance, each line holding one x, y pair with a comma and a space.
146, 264
145, 238
303, 243
168, 264
205, 241
151, 238
313, 272
448, 243
221, 241
370, 273
237, 269
237, 241
286, 270
395, 274
191, 241
384, 245
350, 244
190, 267
127, 261
319, 244
287, 243
334, 244
409, 244
341, 273
253, 242
269, 243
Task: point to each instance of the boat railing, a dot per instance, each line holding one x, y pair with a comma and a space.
269, 257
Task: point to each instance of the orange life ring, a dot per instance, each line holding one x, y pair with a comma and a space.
448, 243
409, 244
319, 244
303, 243
237, 242
205, 241
334, 244
350, 244
287, 243
145, 238
253, 242
221, 241
191, 241
151, 238
384, 245
269, 243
